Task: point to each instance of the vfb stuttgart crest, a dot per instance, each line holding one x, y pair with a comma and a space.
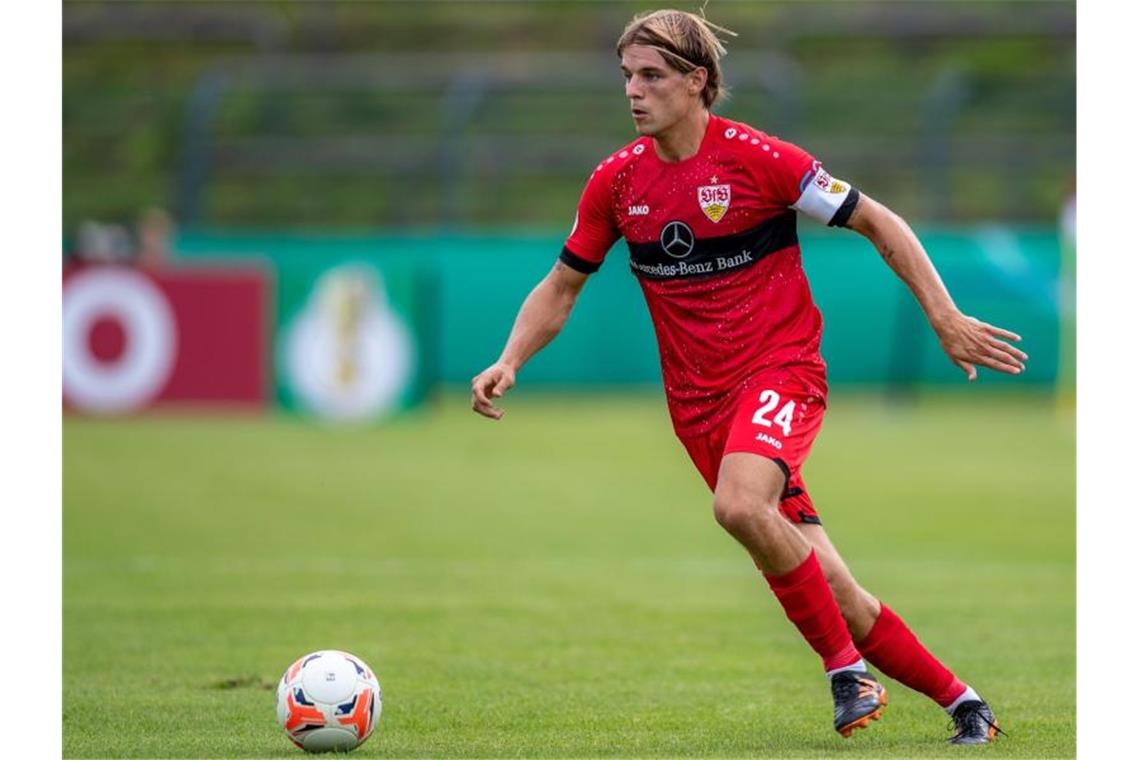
714, 200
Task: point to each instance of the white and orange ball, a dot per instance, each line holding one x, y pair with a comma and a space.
328, 701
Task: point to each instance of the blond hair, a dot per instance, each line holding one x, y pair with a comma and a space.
686, 41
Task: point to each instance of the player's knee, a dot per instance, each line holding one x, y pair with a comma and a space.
729, 514
738, 513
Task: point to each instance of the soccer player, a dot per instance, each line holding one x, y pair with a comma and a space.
708, 208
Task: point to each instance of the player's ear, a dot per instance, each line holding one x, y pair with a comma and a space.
697, 78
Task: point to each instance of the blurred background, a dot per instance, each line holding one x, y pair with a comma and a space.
361, 193
280, 216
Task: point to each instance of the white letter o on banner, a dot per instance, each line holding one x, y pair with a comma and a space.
135, 377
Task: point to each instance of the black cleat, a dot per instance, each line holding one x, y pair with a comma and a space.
975, 722
859, 699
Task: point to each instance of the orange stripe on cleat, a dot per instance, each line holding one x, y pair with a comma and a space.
863, 722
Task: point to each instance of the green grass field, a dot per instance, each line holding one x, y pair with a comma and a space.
554, 584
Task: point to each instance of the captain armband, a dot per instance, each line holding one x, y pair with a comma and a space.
843, 213
828, 200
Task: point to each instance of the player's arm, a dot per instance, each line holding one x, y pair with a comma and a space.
542, 316
967, 341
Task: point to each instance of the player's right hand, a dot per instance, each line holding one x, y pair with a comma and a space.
489, 384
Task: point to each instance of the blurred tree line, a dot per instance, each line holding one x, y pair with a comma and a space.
364, 115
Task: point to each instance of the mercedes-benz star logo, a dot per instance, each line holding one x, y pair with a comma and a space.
677, 239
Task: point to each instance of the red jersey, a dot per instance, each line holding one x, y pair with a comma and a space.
712, 241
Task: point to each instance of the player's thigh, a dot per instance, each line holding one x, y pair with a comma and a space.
778, 417
749, 481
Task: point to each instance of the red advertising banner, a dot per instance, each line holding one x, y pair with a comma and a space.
134, 338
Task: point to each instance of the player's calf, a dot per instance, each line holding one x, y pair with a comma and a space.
858, 607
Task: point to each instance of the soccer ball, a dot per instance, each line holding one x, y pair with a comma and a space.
328, 701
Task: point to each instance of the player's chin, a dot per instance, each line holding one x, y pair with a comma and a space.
644, 127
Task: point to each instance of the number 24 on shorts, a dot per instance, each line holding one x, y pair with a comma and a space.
769, 400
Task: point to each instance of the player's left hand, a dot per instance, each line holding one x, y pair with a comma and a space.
970, 342
491, 384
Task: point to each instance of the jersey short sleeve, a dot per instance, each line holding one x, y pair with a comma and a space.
800, 182
595, 229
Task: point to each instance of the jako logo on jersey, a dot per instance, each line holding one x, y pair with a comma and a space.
677, 239
641, 210
765, 438
714, 200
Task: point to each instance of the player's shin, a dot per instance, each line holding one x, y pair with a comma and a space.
810, 605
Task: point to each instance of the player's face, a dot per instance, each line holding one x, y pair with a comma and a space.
659, 95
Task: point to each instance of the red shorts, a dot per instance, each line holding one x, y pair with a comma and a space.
777, 416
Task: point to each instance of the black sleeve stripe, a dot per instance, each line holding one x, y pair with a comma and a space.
843, 213
574, 261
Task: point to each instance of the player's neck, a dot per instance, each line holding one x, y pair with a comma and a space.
683, 139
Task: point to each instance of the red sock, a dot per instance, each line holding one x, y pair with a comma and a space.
894, 649
809, 603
